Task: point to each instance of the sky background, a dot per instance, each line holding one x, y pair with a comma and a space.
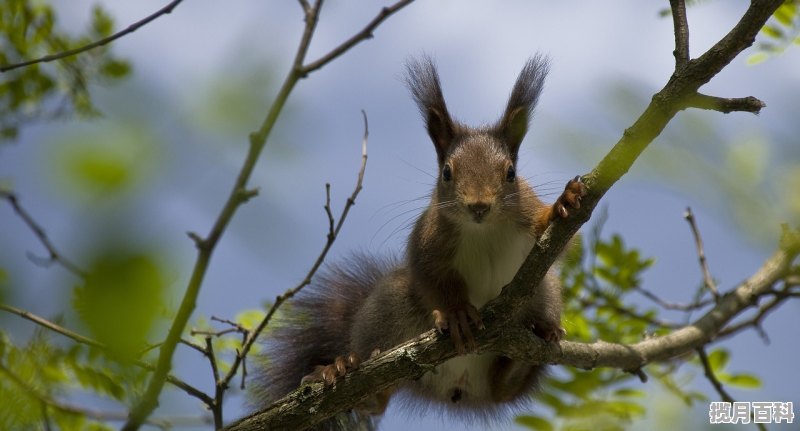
203, 79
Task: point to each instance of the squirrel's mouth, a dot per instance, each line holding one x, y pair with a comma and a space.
479, 212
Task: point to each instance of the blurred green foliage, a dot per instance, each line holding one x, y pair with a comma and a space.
782, 31
121, 299
46, 91
105, 162
38, 375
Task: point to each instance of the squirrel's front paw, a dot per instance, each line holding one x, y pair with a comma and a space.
549, 333
571, 198
457, 320
328, 373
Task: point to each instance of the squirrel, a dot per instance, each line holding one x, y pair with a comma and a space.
479, 227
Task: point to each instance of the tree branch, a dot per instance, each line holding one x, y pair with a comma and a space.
725, 105
365, 33
414, 358
54, 255
701, 254
105, 41
681, 26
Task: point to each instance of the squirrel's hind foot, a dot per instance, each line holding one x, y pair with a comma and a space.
328, 373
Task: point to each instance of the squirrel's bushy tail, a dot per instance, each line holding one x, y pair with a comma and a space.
313, 329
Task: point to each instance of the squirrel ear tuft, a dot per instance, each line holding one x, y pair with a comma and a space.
513, 126
423, 81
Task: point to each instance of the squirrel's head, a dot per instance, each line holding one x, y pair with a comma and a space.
477, 166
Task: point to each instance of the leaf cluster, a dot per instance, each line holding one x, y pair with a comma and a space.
47, 91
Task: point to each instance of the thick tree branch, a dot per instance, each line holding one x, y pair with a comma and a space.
311, 404
105, 41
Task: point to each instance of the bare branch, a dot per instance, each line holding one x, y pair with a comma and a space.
681, 33
755, 321
725, 105
701, 254
671, 305
365, 33
54, 255
105, 41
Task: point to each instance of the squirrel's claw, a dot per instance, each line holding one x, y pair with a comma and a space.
329, 373
551, 334
457, 320
574, 191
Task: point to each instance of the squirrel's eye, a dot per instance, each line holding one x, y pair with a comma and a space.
511, 174
447, 175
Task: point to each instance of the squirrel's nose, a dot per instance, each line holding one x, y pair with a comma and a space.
479, 210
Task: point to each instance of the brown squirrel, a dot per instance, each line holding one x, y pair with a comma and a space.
481, 224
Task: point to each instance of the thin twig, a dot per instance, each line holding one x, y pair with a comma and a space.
709, 373
105, 41
54, 255
306, 7
778, 298
588, 303
219, 389
681, 25
701, 352
331, 237
671, 305
365, 33
701, 254
189, 389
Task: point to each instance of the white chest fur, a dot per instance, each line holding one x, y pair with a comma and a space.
487, 257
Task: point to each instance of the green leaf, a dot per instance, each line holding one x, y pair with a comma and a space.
629, 392
102, 23
744, 381
718, 359
534, 423
249, 319
115, 69
757, 58
772, 31
786, 13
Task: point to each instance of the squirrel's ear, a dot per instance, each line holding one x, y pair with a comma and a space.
514, 124
423, 81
